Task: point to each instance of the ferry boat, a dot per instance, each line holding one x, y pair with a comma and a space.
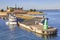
11, 19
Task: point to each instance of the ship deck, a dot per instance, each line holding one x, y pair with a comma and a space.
36, 27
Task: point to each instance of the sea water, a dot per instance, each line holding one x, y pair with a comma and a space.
21, 34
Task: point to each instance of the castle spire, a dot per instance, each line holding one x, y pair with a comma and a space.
7, 7
15, 6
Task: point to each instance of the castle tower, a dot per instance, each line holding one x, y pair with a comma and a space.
8, 9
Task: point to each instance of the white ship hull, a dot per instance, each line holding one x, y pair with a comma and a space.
12, 19
7, 23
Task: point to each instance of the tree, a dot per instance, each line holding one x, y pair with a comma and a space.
1, 10
31, 9
34, 10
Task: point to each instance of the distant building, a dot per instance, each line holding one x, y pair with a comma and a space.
11, 8
16, 10
19, 12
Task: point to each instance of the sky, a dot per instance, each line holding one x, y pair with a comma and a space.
31, 4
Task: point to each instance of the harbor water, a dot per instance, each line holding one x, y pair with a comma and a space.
16, 33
